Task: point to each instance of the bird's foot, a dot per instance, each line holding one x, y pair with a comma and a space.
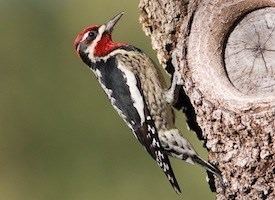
172, 94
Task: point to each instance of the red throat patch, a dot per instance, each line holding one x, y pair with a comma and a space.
106, 46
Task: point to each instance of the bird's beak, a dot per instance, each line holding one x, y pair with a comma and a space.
110, 24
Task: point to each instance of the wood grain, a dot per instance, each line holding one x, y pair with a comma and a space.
250, 53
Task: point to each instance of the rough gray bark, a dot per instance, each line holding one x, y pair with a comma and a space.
225, 51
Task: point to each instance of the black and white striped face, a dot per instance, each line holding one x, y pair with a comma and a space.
96, 41
88, 38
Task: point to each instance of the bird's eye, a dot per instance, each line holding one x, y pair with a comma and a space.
92, 35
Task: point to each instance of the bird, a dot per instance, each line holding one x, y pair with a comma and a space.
137, 91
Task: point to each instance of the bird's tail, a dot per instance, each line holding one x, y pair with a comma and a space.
210, 168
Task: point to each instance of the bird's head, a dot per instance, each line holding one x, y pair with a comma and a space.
96, 41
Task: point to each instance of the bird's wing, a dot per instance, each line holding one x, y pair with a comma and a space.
124, 90
148, 136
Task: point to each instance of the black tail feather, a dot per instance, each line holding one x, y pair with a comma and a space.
207, 166
210, 168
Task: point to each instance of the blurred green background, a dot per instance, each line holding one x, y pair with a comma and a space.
60, 139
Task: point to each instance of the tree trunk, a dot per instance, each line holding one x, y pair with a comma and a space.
225, 51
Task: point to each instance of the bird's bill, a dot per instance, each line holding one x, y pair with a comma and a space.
110, 24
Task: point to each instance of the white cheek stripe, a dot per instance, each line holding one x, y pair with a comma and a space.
90, 50
85, 36
135, 93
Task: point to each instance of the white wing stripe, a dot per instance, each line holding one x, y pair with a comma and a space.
135, 93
